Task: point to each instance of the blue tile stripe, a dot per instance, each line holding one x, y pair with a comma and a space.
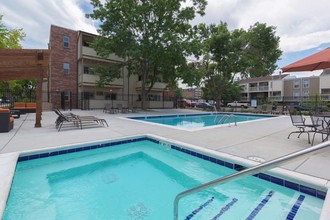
295, 208
193, 213
301, 188
77, 149
260, 206
225, 208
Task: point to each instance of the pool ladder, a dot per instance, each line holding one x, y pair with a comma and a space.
225, 118
317, 149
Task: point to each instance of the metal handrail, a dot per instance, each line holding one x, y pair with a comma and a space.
228, 117
317, 149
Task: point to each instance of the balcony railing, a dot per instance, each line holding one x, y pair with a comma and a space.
89, 79
158, 86
90, 52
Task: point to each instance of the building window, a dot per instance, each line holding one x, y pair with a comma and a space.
296, 95
306, 83
66, 42
306, 94
89, 70
99, 93
67, 96
66, 68
296, 84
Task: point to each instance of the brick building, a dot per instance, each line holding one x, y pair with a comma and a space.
72, 81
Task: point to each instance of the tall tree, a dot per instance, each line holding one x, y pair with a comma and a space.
154, 36
262, 50
10, 38
236, 53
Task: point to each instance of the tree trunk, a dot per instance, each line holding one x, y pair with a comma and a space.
143, 86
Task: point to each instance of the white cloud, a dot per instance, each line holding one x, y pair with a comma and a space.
301, 24
36, 16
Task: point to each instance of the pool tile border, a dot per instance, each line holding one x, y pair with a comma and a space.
282, 182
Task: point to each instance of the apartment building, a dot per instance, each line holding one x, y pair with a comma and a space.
297, 89
263, 88
192, 93
286, 88
73, 81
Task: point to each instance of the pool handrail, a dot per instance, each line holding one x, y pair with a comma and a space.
317, 149
225, 118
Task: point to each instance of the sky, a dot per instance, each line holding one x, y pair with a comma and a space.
302, 25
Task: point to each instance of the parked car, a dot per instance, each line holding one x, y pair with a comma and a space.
4, 99
238, 104
184, 103
204, 105
310, 107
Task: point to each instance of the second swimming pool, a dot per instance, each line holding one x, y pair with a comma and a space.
192, 121
139, 178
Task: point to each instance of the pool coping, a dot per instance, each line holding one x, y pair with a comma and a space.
8, 163
194, 114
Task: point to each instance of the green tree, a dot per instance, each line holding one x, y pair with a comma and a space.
262, 50
238, 53
153, 36
10, 38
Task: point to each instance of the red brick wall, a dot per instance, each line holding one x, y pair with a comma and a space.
58, 81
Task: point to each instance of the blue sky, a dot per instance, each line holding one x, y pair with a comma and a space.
302, 25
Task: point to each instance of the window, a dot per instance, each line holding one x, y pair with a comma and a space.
306, 94
296, 84
89, 70
66, 42
296, 95
66, 68
306, 83
99, 93
67, 96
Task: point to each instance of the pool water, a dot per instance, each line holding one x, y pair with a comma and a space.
200, 120
139, 180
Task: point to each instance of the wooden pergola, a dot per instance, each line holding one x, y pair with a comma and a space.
26, 64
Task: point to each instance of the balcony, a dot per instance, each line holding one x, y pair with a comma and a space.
91, 80
90, 52
158, 86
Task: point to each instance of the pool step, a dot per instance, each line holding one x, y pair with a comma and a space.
214, 209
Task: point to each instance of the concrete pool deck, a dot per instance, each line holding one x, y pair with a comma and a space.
256, 140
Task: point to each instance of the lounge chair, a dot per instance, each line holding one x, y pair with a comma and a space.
77, 120
300, 122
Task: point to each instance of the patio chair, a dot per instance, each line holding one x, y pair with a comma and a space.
321, 127
299, 121
109, 109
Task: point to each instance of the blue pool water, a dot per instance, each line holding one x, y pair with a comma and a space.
200, 120
139, 180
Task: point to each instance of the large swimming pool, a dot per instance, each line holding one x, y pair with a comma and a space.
139, 179
191, 121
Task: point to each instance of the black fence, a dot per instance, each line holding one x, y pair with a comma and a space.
97, 100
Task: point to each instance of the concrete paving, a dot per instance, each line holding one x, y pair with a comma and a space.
264, 139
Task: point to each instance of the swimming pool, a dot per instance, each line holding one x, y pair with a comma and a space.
193, 121
138, 178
